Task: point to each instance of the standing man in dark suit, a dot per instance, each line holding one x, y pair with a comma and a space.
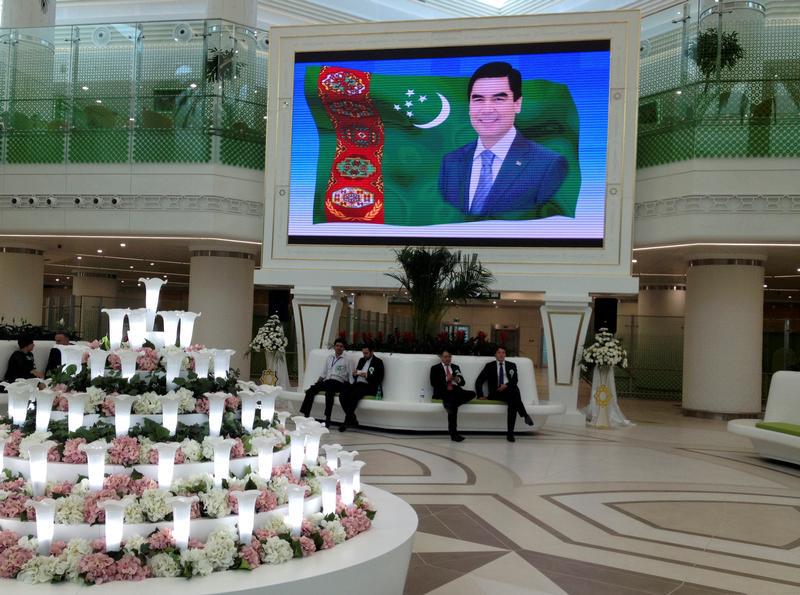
54, 359
368, 377
447, 383
503, 381
501, 175
336, 377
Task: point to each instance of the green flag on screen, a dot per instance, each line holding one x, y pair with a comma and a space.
382, 139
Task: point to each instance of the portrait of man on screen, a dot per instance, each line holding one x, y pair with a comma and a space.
502, 174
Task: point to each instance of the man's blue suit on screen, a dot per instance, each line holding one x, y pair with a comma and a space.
530, 175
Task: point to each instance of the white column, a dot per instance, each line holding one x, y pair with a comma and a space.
22, 271
316, 314
723, 336
565, 320
244, 12
28, 13
221, 290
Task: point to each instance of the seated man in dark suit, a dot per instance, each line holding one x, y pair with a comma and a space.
336, 377
502, 174
368, 377
503, 381
54, 359
21, 364
447, 383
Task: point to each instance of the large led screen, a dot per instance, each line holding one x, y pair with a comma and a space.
498, 145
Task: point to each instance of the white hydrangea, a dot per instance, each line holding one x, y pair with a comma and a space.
81, 488
69, 510
133, 544
337, 531
274, 433
31, 440
316, 519
197, 561
5, 431
95, 398
220, 548
313, 484
163, 564
28, 542
192, 450
187, 402
72, 554
147, 404
145, 446
39, 569
276, 524
135, 513
154, 505
181, 485
215, 503
277, 551
279, 484
260, 482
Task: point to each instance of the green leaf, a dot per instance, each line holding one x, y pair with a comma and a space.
136, 475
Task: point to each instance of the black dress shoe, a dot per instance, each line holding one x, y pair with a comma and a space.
343, 427
528, 420
456, 438
327, 422
510, 438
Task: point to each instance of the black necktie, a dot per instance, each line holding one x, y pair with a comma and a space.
500, 376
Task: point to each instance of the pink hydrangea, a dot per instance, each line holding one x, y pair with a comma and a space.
129, 568
120, 484
249, 554
13, 559
266, 501
355, 522
237, 450
57, 547
179, 457
98, 568
63, 488
232, 403
263, 534
195, 512
307, 545
13, 506
196, 544
138, 486
148, 359
124, 451
327, 539
107, 407
72, 453
8, 539
201, 405
98, 545
114, 362
53, 456
13, 485
60, 388
60, 403
12, 444
91, 513
161, 539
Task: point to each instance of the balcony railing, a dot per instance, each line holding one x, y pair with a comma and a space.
155, 92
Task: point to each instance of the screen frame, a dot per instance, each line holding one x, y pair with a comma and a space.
363, 265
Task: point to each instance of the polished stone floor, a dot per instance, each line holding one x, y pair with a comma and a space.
673, 505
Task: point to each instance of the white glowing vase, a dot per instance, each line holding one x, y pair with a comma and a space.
156, 338
116, 321
170, 405
96, 462
328, 488
187, 327
76, 409
137, 327
37, 465
45, 523
249, 403
297, 452
357, 466
246, 503
3, 453
222, 458
216, 407
122, 413
97, 362
174, 359
301, 422
19, 396
296, 495
170, 318
166, 462
181, 519
346, 473
202, 362
282, 417
222, 362
346, 458
265, 447
115, 520
332, 455
72, 355
44, 409
268, 394
127, 360
152, 287
312, 444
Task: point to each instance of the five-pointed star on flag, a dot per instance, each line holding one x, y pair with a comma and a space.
396, 107
423, 98
410, 92
409, 114
409, 103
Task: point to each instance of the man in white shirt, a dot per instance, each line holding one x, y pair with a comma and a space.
501, 175
337, 374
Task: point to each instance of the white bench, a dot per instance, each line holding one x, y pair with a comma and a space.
783, 405
407, 376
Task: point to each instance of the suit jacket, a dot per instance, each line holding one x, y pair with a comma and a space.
374, 373
20, 365
529, 177
53, 360
489, 375
439, 379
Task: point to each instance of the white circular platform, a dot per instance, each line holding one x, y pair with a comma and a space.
375, 561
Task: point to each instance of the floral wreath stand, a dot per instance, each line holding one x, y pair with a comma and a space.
603, 411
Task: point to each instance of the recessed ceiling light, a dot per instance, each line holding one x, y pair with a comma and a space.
99, 250
85, 88
152, 264
193, 86
765, 285
634, 261
80, 257
57, 279
165, 276
131, 266
98, 101
494, 302
515, 301
122, 244
67, 278
138, 285
123, 281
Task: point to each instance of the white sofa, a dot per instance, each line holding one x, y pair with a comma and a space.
407, 377
41, 351
783, 405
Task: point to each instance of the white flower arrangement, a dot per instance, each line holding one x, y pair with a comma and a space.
270, 337
277, 551
605, 351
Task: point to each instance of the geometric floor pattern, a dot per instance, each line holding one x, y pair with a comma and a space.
673, 505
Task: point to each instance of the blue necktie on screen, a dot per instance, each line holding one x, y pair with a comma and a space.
484, 183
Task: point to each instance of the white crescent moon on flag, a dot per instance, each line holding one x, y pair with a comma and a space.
442, 115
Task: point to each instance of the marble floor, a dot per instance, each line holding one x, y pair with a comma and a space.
673, 505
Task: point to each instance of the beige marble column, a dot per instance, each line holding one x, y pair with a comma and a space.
22, 272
